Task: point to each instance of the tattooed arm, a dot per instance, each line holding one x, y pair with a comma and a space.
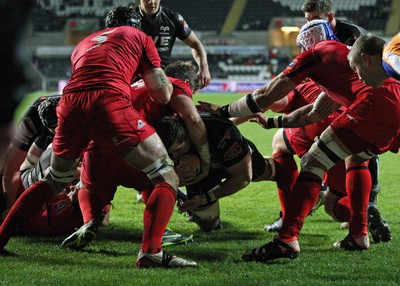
309, 114
312, 113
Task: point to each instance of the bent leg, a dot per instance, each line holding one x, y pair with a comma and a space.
151, 158
33, 199
322, 156
286, 169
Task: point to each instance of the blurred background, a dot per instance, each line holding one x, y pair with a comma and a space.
248, 42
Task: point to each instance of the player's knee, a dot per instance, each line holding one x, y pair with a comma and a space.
58, 180
207, 217
309, 164
162, 170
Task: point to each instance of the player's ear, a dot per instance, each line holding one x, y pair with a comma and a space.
366, 59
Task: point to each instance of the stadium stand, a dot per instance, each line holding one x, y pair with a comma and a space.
203, 15
258, 14
206, 17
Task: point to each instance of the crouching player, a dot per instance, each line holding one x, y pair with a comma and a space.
235, 162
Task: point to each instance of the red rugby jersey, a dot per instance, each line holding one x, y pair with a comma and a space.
111, 58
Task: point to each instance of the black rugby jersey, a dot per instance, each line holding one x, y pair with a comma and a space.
164, 28
348, 33
31, 129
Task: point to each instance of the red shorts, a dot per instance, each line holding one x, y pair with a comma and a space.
104, 116
371, 123
102, 174
301, 139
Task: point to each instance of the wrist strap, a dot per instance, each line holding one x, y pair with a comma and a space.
209, 197
224, 112
275, 122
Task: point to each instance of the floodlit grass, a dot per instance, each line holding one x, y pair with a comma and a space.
110, 260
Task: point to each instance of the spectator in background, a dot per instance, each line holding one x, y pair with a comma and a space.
164, 26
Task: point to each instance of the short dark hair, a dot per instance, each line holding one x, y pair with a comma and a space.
322, 6
369, 44
171, 129
47, 111
122, 16
183, 70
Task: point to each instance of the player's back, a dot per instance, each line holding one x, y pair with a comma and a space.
150, 110
110, 58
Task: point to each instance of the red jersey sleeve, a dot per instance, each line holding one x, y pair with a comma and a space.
301, 67
180, 87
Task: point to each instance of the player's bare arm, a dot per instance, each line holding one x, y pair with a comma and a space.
254, 102
200, 56
158, 85
196, 131
240, 176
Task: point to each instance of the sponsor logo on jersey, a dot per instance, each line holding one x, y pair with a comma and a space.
118, 142
60, 206
292, 64
140, 124
185, 26
164, 29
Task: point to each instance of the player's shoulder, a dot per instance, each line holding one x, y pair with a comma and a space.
171, 15
180, 87
390, 85
324, 48
167, 11
350, 27
216, 125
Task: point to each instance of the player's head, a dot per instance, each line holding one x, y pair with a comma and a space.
185, 71
47, 112
150, 7
122, 16
365, 58
173, 133
314, 32
318, 10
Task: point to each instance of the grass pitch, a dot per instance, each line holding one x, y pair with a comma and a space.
110, 260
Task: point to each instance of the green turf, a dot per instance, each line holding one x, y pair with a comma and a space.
110, 260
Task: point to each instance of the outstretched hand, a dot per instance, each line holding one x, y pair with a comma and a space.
261, 119
208, 107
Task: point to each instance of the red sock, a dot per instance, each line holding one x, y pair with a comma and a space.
286, 175
302, 199
358, 185
91, 205
27, 205
146, 193
342, 209
157, 213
